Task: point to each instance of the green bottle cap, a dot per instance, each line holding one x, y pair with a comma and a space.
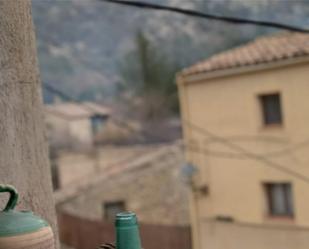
15, 223
126, 219
127, 231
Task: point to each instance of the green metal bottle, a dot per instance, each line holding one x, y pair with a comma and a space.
127, 231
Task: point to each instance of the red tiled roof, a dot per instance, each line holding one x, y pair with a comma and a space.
262, 50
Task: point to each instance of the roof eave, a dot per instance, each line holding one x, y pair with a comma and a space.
198, 77
67, 117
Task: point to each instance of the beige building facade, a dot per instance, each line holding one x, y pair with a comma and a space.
246, 116
74, 125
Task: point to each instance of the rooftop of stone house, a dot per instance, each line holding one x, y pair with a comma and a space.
71, 110
265, 49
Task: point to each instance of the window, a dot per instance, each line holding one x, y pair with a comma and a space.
113, 208
271, 109
97, 122
279, 199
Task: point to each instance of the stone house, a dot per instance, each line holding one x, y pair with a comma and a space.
245, 118
144, 179
74, 126
77, 167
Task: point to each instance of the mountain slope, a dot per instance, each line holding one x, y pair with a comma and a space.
81, 43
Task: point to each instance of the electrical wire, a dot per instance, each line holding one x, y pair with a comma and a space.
275, 153
293, 148
58, 92
198, 14
248, 154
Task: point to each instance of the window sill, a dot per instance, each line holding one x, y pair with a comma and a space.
280, 218
272, 127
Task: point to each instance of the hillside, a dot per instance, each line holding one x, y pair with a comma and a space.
81, 43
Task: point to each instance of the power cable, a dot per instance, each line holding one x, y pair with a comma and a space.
266, 162
67, 97
298, 146
198, 14
207, 133
275, 153
58, 92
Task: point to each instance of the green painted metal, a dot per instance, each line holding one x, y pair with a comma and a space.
15, 223
127, 231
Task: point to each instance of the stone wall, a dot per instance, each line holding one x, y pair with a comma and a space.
76, 166
150, 185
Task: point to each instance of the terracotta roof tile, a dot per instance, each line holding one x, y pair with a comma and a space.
262, 50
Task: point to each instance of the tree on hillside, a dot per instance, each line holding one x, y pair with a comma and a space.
150, 75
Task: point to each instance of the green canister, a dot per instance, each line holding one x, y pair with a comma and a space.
22, 230
127, 231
